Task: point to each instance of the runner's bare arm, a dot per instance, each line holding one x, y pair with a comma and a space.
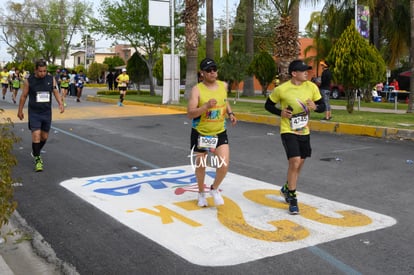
193, 110
23, 98
57, 96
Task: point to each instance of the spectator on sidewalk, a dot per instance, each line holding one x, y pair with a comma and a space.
325, 88
110, 80
395, 84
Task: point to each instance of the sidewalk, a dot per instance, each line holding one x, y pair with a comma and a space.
334, 107
24, 251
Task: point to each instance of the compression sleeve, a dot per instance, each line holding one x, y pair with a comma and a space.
320, 106
270, 106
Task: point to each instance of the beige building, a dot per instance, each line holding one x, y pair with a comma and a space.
123, 51
79, 57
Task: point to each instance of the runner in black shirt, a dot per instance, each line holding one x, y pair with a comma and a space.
39, 88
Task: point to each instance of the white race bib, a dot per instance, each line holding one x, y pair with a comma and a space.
207, 142
298, 122
43, 97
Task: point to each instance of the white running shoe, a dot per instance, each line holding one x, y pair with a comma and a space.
202, 201
218, 200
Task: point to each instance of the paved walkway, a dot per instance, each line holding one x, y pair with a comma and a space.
337, 107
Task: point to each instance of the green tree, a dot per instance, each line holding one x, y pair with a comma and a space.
113, 62
355, 63
128, 21
42, 29
96, 70
137, 70
233, 68
264, 69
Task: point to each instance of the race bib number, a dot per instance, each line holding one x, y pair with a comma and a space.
207, 142
298, 122
43, 97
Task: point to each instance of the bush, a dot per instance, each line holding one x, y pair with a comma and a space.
116, 92
8, 160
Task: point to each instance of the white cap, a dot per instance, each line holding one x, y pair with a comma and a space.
123, 70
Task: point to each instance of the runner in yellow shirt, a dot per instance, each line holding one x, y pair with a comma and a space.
123, 81
208, 107
297, 98
4, 75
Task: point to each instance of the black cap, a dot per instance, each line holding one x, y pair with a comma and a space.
207, 63
298, 66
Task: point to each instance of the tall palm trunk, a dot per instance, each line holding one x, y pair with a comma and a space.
248, 87
210, 29
411, 97
190, 18
295, 14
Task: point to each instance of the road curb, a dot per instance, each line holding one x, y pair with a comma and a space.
321, 126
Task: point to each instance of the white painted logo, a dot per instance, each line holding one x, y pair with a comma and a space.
252, 224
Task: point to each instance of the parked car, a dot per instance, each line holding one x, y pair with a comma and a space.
337, 90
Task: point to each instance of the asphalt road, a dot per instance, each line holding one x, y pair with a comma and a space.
363, 172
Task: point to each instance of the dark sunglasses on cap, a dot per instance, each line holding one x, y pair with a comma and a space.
212, 69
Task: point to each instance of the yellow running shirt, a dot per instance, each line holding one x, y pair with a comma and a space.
123, 80
213, 121
4, 77
295, 96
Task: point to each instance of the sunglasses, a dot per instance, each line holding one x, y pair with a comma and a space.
209, 70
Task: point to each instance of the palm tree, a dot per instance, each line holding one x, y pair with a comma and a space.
286, 37
248, 87
411, 98
209, 29
190, 18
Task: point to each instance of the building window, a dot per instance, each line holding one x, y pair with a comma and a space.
79, 60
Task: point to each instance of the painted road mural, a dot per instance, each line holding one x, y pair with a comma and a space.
253, 223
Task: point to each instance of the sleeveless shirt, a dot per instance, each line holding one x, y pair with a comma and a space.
213, 121
40, 94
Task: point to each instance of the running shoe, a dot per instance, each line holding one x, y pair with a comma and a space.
202, 201
218, 200
293, 204
77, 100
38, 164
284, 192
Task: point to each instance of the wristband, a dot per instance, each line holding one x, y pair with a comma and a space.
231, 113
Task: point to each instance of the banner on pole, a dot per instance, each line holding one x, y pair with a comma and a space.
159, 13
363, 21
171, 91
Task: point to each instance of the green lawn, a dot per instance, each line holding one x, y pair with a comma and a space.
401, 121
